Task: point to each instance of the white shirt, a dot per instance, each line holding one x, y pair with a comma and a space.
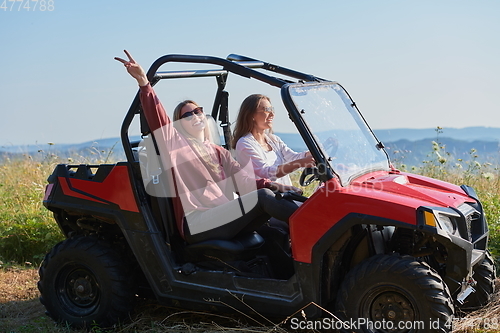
265, 163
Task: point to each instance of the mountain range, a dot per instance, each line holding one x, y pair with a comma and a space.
413, 146
404, 145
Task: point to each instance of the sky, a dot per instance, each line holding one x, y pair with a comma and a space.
407, 64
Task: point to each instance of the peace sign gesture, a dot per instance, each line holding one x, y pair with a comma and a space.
134, 69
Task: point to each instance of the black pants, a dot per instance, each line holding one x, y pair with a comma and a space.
267, 206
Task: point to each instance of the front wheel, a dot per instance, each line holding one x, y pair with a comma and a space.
84, 281
393, 293
485, 276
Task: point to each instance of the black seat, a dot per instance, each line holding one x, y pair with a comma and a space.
243, 247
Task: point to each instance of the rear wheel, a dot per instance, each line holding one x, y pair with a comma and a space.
392, 293
84, 281
485, 276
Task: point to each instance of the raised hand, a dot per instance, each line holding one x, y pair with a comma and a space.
134, 69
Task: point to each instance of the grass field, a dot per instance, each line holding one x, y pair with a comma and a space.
27, 232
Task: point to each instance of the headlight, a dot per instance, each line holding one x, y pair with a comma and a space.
445, 220
447, 223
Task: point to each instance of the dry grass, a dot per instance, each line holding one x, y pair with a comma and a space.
486, 319
21, 311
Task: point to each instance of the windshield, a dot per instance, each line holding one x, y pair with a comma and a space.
338, 129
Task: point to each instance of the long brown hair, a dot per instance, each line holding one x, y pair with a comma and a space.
244, 121
197, 146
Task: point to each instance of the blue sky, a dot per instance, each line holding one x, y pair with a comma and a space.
407, 64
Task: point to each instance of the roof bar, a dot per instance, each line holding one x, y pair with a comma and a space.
201, 73
274, 68
195, 73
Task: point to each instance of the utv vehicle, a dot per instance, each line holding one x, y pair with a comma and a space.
370, 245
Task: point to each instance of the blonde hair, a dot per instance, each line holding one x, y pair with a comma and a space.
244, 121
195, 144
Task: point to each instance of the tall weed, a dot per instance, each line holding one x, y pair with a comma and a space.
27, 228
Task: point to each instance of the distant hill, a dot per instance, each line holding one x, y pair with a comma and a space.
409, 146
413, 146
91, 150
462, 134
415, 152
100, 143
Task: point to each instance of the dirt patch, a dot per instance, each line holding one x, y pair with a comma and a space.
19, 304
18, 284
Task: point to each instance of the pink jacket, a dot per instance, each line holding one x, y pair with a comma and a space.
197, 186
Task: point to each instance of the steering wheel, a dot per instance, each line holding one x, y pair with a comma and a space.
313, 174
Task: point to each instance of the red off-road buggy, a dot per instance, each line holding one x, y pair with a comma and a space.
371, 243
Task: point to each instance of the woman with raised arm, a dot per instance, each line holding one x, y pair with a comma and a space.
205, 175
254, 142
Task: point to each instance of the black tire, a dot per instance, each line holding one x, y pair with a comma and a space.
391, 290
84, 282
485, 276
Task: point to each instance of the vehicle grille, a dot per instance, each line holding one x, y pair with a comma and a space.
472, 219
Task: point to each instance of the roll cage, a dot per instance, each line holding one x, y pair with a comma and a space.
236, 64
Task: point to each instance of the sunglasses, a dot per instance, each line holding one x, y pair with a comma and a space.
268, 110
189, 115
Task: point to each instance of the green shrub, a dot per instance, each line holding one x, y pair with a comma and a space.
27, 229
28, 238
